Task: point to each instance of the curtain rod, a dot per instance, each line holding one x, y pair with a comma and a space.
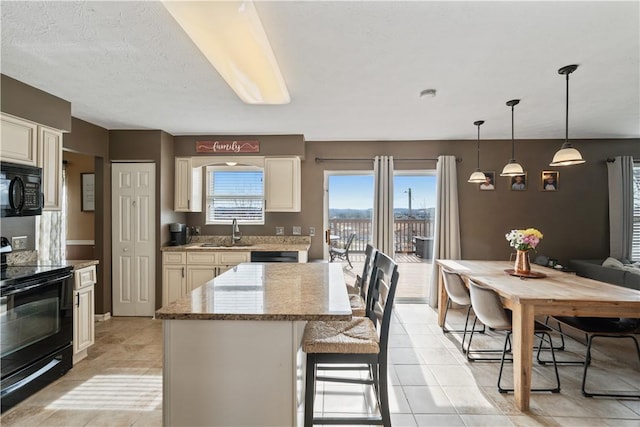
326, 159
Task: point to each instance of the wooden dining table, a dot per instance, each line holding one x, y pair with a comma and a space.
556, 294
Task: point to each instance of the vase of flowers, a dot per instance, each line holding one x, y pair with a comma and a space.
523, 241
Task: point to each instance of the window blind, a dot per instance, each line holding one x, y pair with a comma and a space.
235, 193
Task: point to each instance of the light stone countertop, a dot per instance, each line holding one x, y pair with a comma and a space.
246, 244
267, 291
77, 264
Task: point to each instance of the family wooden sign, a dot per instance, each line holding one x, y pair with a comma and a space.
227, 147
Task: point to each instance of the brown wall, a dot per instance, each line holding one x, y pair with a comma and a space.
574, 219
80, 224
91, 140
157, 147
270, 145
26, 101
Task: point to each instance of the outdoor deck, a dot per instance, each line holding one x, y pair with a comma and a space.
415, 274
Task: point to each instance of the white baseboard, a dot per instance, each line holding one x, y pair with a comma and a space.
102, 317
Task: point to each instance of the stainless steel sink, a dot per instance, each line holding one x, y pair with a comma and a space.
219, 245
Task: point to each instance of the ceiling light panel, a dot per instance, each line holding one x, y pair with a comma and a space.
231, 37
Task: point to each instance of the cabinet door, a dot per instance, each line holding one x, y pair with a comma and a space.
198, 275
282, 184
50, 160
174, 283
83, 326
19, 141
188, 186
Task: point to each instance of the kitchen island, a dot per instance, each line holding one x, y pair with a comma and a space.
232, 346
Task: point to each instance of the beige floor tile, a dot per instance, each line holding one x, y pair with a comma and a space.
429, 420
431, 383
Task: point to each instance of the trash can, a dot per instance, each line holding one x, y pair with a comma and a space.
424, 246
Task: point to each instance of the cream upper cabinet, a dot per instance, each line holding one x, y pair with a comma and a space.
282, 184
50, 160
19, 143
188, 186
28, 143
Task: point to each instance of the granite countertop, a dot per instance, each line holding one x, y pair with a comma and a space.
267, 291
30, 258
77, 264
246, 244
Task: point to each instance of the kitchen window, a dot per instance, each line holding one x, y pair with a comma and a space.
235, 192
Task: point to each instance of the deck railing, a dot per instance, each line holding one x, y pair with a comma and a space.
404, 230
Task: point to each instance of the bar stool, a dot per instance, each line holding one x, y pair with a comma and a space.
362, 341
358, 291
488, 308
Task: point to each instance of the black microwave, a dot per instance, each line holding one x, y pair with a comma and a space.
20, 190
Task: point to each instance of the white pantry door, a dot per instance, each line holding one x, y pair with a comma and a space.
133, 238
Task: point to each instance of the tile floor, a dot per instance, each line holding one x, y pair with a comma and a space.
119, 384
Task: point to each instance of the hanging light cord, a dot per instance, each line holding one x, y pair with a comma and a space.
513, 142
566, 121
478, 147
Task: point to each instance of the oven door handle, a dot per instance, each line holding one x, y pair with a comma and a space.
26, 380
35, 285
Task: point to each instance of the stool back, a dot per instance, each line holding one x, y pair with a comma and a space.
455, 287
382, 289
488, 307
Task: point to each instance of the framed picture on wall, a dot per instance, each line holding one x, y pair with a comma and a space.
518, 182
489, 183
88, 187
549, 180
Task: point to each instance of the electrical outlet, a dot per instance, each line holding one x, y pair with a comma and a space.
19, 243
297, 230
312, 231
279, 231
196, 230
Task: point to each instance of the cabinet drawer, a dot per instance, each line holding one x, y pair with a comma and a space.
233, 258
205, 258
174, 257
85, 277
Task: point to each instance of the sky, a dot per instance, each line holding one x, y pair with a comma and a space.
356, 191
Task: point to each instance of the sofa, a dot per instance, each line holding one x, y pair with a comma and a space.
621, 274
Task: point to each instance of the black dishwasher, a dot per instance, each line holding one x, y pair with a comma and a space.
274, 256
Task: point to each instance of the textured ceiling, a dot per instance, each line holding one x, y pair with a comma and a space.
354, 69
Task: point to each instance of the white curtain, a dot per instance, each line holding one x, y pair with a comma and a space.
446, 241
620, 174
383, 235
52, 231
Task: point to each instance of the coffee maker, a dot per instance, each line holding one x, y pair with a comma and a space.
178, 234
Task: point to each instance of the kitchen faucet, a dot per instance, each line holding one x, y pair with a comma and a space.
235, 232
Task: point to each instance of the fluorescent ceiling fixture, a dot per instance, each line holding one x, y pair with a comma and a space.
231, 36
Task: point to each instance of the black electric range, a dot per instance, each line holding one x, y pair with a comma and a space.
23, 275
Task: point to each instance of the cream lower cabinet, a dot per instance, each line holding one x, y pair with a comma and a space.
182, 272
83, 312
174, 276
201, 267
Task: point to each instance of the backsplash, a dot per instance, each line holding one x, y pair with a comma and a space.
221, 240
22, 257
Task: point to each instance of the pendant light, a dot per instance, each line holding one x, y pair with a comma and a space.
512, 168
478, 176
567, 155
